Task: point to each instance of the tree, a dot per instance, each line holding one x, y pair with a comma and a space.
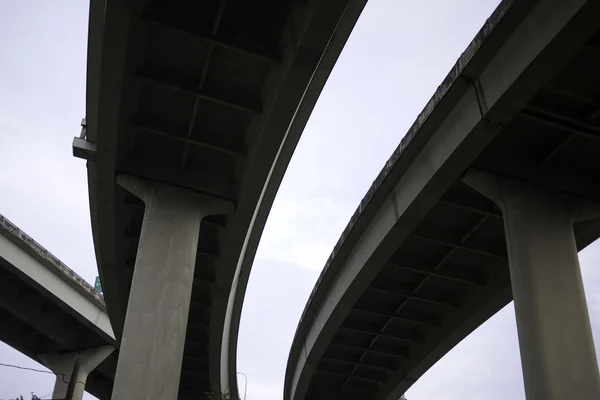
217, 396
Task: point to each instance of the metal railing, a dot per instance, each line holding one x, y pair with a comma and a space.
50, 258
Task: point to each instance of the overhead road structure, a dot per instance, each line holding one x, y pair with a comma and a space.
195, 107
52, 315
495, 183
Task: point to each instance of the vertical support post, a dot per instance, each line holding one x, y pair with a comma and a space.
555, 336
72, 380
72, 370
153, 340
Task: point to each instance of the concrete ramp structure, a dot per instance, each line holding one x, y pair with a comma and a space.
50, 314
488, 197
193, 111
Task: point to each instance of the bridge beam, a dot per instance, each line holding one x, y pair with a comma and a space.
75, 365
555, 336
151, 351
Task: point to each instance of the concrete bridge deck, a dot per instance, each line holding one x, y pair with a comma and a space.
424, 259
209, 99
46, 308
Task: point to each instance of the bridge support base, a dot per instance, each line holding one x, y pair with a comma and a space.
151, 351
555, 337
77, 365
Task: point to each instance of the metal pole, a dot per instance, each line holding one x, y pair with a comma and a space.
245, 383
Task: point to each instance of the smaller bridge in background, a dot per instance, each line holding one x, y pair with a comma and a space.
48, 312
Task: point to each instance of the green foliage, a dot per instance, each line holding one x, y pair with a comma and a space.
217, 396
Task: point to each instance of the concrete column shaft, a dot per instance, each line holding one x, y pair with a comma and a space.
152, 346
62, 365
555, 336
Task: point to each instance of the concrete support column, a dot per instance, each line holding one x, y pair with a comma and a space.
555, 336
151, 349
64, 364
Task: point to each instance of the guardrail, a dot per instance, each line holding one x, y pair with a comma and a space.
50, 258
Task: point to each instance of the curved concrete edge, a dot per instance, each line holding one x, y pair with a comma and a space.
95, 31
365, 243
334, 48
449, 91
440, 104
109, 27
286, 85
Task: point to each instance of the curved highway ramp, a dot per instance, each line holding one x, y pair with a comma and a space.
496, 182
193, 111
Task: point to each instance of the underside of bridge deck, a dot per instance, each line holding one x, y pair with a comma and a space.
450, 273
208, 96
33, 324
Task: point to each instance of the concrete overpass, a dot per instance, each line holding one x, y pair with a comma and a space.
51, 314
427, 258
195, 108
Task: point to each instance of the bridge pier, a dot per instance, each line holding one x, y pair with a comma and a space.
555, 337
152, 345
77, 364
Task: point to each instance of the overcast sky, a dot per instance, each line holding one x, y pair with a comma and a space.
397, 55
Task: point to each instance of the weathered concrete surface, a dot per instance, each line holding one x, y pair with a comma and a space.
64, 365
555, 336
423, 261
48, 272
151, 350
49, 309
212, 97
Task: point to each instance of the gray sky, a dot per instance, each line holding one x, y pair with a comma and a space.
397, 55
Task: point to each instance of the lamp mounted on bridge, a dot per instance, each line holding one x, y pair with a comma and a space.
82, 148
